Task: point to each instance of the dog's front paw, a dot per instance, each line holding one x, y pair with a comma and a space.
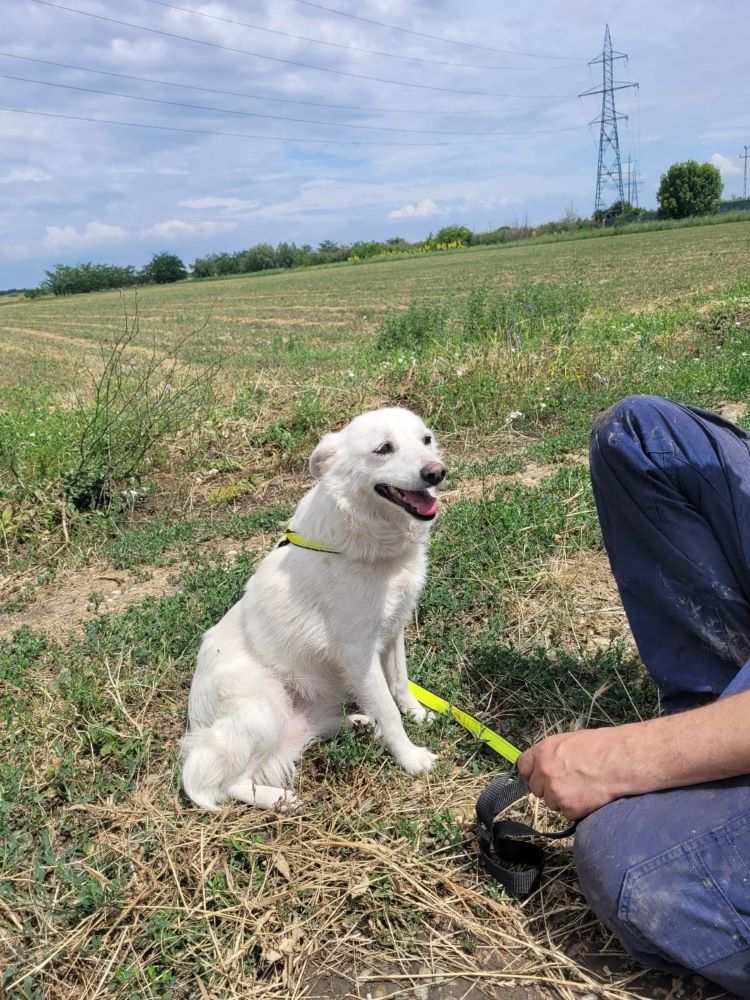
420, 714
358, 721
289, 804
417, 760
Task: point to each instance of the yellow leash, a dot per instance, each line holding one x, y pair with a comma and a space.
498, 743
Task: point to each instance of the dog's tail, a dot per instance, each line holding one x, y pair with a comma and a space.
250, 743
202, 773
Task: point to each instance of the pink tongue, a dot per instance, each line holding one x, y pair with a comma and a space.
423, 503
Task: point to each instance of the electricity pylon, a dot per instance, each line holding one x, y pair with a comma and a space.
609, 166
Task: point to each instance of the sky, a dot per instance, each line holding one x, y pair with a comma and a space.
409, 116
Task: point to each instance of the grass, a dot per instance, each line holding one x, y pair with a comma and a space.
111, 885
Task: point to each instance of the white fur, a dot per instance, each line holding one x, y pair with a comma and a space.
314, 629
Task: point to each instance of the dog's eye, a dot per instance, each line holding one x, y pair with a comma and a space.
427, 439
385, 449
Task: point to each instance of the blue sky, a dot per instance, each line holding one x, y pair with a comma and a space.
73, 190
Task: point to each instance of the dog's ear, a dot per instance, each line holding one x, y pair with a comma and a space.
324, 454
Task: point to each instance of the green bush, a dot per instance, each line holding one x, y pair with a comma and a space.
414, 329
454, 234
96, 454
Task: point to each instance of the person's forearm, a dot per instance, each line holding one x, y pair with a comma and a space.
704, 744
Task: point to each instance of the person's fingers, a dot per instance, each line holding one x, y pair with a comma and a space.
572, 813
551, 801
536, 784
525, 763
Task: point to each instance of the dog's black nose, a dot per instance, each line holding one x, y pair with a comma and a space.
433, 473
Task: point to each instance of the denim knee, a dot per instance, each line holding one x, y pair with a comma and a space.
616, 427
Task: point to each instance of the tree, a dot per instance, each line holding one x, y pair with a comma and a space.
287, 255
454, 234
689, 188
258, 258
164, 268
204, 267
615, 209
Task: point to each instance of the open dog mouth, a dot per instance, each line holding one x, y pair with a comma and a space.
419, 503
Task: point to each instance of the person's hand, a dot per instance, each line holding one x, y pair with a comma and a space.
576, 773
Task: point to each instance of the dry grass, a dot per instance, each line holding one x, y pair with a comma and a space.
571, 604
328, 895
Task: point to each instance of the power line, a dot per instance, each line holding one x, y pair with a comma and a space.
335, 45
251, 135
258, 114
435, 38
288, 62
257, 97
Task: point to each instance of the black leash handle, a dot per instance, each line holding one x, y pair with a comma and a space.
509, 851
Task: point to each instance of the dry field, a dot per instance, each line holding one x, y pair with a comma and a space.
111, 884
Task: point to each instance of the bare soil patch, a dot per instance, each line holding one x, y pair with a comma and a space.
64, 606
733, 411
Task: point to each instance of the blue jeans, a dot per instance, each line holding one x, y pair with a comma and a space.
669, 872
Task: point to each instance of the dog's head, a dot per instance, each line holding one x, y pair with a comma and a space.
385, 460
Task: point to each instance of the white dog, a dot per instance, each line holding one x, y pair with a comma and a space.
316, 627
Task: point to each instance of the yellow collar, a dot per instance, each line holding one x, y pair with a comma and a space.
292, 538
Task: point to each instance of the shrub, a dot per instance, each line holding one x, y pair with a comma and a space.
366, 248
454, 234
204, 267
134, 410
98, 453
258, 258
414, 329
288, 255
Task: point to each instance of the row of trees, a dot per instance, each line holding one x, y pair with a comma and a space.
65, 279
264, 257
686, 189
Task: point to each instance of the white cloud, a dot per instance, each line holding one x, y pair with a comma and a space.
422, 210
142, 50
231, 204
25, 175
68, 238
150, 171
725, 165
177, 229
